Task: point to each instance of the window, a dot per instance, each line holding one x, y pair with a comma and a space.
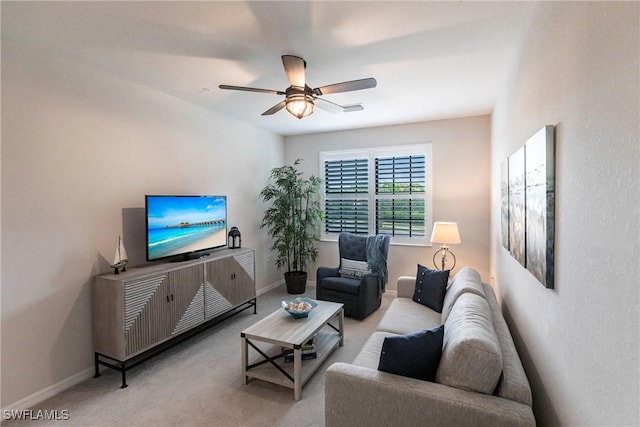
378, 191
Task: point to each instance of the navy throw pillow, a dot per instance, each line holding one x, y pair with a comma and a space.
431, 285
416, 355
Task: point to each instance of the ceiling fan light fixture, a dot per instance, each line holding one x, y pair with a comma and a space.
299, 105
300, 98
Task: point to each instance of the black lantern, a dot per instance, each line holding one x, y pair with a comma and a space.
234, 241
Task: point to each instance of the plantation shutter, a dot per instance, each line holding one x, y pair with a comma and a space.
346, 195
398, 179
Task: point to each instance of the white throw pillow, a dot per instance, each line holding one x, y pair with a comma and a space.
353, 269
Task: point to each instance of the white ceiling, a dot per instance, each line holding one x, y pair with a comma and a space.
432, 60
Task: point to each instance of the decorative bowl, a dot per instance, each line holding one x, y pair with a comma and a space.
299, 307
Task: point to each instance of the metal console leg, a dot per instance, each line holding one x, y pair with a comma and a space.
124, 376
96, 366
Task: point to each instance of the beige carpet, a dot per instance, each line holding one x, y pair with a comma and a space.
198, 383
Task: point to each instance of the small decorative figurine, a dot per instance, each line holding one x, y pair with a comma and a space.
121, 259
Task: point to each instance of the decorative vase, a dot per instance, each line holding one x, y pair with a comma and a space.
296, 281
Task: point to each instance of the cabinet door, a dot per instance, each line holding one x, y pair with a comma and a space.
218, 298
244, 277
230, 282
147, 315
161, 306
186, 298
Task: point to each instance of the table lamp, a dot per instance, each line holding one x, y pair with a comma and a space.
445, 233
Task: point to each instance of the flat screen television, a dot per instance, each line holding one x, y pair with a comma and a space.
184, 227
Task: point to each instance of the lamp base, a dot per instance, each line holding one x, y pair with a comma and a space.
445, 256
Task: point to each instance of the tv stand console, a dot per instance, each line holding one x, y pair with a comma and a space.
142, 311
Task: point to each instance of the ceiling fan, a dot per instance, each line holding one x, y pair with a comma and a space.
300, 98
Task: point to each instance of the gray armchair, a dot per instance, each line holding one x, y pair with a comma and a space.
360, 296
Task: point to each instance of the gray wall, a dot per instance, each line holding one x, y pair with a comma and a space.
461, 177
78, 147
578, 69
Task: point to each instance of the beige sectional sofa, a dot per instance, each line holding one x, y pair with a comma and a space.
479, 382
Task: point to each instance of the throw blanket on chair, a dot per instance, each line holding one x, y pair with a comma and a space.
377, 260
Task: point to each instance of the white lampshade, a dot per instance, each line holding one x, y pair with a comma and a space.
445, 233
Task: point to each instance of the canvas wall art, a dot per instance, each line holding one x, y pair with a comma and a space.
504, 199
540, 205
517, 206
528, 180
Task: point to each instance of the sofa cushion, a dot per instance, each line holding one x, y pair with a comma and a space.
369, 355
404, 316
471, 357
431, 286
343, 285
466, 280
415, 355
353, 269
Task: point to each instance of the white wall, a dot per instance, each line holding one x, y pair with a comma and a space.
78, 147
579, 70
461, 159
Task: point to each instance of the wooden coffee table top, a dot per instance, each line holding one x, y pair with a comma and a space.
282, 329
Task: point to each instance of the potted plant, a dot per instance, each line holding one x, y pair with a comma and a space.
292, 221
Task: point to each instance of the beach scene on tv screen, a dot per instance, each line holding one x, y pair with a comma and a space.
177, 225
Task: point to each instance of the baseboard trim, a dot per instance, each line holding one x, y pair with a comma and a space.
50, 391
310, 284
269, 287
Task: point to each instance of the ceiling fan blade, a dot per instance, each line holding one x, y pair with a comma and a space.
332, 107
346, 86
279, 106
329, 106
251, 89
353, 107
294, 67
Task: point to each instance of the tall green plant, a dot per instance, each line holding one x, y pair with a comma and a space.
293, 218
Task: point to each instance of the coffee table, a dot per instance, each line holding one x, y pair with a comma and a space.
280, 330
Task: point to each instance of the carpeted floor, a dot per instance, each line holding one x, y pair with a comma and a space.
198, 383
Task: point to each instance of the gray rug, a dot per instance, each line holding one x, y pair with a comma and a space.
198, 383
